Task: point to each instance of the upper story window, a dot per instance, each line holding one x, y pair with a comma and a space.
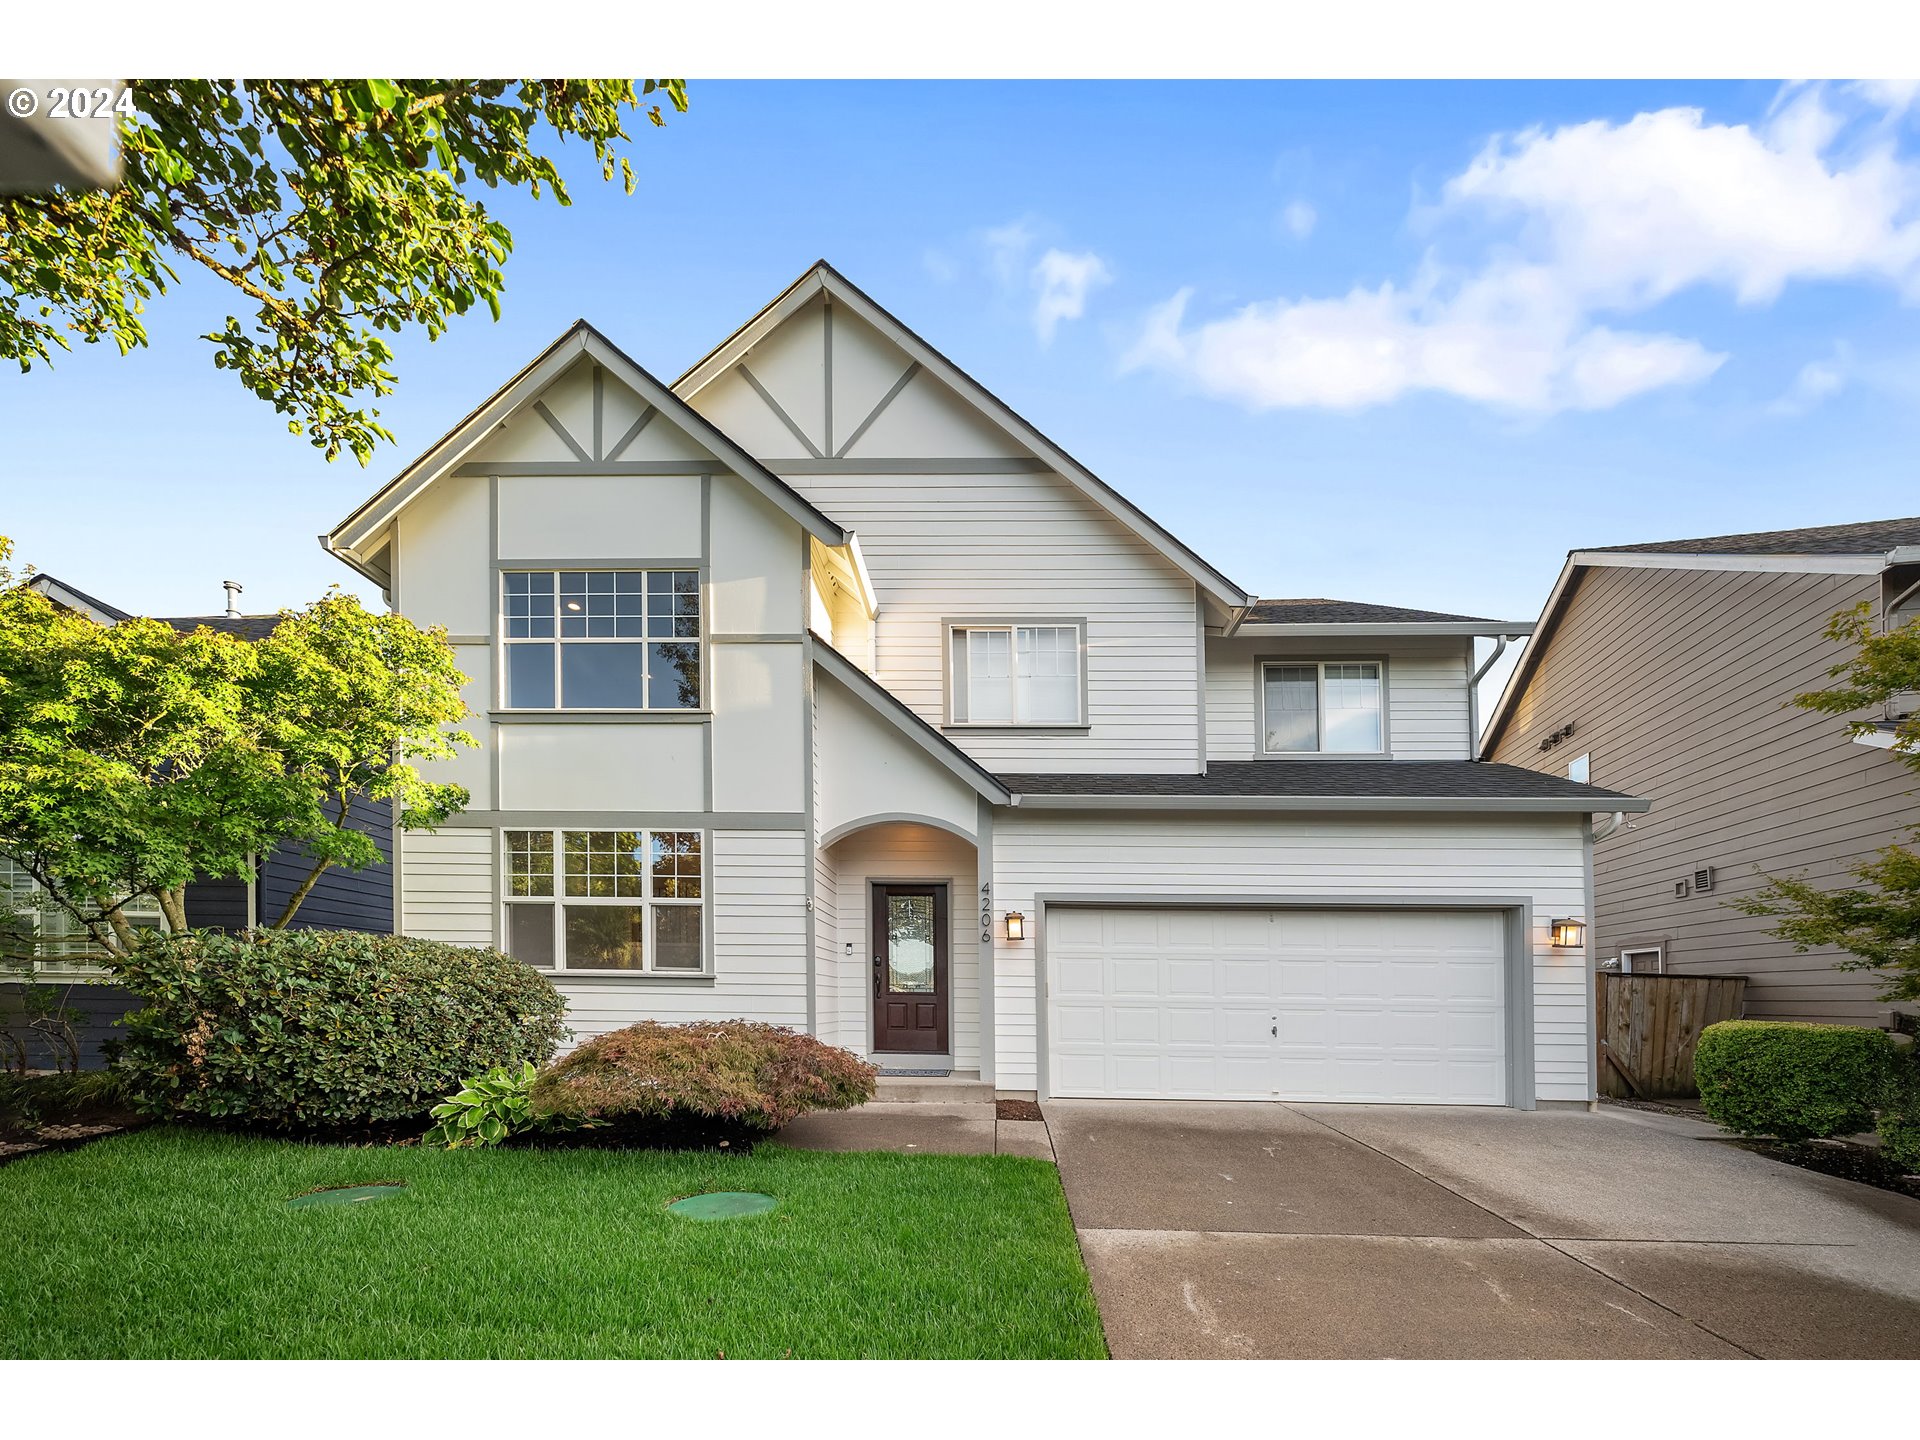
601, 639
624, 900
1324, 707
1011, 674
1580, 769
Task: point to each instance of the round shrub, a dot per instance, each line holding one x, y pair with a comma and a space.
1794, 1081
729, 1074
322, 1031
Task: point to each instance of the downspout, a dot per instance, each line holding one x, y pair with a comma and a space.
1473, 692
1603, 828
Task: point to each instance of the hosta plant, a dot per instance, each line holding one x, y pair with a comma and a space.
492, 1108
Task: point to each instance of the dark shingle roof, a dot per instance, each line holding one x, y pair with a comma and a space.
1863, 537
247, 627
1353, 612
1330, 779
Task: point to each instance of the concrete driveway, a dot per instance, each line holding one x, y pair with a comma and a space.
1359, 1231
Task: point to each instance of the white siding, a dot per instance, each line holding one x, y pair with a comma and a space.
446, 888
906, 852
955, 547
1539, 858
1427, 712
758, 912
867, 768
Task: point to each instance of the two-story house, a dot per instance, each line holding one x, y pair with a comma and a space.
821, 688
1668, 669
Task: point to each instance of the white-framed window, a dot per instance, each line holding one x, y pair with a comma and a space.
601, 639
54, 939
1323, 707
1580, 769
619, 901
1643, 960
1017, 674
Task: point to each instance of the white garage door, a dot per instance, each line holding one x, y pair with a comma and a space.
1401, 1006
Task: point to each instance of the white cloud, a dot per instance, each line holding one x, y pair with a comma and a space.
1299, 218
1571, 225
1062, 281
1007, 246
1370, 347
1818, 382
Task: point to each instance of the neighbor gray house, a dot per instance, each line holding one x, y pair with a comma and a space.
1666, 670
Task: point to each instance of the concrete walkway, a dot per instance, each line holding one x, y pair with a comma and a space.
919, 1128
1363, 1231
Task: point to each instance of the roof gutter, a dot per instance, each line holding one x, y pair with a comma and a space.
1520, 804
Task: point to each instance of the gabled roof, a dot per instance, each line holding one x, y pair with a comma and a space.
73, 597
1320, 616
1863, 537
1332, 785
1863, 547
822, 277
902, 717
580, 339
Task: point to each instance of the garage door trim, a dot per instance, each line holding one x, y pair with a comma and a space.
1517, 911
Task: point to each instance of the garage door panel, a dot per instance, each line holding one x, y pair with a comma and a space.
1387, 1005
1135, 1025
1188, 979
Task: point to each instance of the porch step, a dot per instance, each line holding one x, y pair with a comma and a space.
956, 1089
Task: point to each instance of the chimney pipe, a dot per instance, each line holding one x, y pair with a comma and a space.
233, 588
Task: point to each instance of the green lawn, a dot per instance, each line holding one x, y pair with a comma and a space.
177, 1243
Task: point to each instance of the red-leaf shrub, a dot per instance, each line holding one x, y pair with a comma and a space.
735, 1073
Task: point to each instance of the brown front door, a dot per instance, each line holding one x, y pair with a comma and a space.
910, 969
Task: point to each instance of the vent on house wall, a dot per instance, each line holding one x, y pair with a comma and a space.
1703, 881
1681, 889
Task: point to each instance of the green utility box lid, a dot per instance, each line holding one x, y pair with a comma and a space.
349, 1194
723, 1205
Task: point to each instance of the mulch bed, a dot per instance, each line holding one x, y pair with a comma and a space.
1840, 1158
1844, 1159
1016, 1110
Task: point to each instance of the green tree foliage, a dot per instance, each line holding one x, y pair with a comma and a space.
342, 211
135, 758
348, 700
1877, 922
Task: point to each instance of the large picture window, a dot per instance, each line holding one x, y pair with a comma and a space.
1323, 707
601, 639
1016, 674
626, 901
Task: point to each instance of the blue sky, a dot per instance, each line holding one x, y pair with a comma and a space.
1397, 342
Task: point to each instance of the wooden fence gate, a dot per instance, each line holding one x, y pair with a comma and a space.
1648, 1026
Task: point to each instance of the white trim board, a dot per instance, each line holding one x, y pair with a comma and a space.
1794, 564
581, 339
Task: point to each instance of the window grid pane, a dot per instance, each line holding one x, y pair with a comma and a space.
1352, 701
1293, 707
1047, 688
596, 611
530, 863
633, 900
676, 864
989, 676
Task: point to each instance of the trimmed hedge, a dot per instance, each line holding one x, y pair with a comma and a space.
1900, 1113
322, 1031
733, 1073
1794, 1081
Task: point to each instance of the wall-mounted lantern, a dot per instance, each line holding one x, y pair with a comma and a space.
1569, 934
1016, 925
